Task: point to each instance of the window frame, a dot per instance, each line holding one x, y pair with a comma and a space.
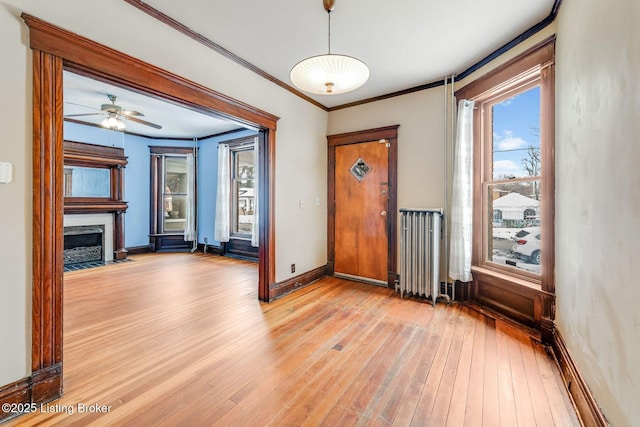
484, 108
235, 147
171, 194
536, 64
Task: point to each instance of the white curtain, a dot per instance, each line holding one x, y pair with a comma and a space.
190, 222
222, 228
255, 238
462, 196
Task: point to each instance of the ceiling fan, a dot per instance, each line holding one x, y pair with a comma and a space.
114, 115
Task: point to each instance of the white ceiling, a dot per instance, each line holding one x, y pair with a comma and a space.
405, 44
83, 95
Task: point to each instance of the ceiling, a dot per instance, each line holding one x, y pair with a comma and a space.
83, 95
405, 44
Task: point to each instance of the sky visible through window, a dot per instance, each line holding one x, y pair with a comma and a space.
516, 128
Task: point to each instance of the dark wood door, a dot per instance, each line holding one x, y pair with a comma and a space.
361, 210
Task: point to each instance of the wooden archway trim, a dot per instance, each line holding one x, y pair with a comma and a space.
55, 49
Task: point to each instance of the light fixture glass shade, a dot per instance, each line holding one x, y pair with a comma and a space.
329, 74
113, 123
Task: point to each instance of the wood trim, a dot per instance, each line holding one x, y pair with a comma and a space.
390, 133
48, 205
540, 53
18, 392
402, 92
40, 387
584, 401
135, 250
386, 132
93, 154
81, 205
86, 57
267, 231
211, 249
514, 298
527, 298
154, 149
242, 248
157, 138
294, 283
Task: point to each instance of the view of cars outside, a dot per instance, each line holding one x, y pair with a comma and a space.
515, 232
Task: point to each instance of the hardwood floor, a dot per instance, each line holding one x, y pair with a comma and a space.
181, 339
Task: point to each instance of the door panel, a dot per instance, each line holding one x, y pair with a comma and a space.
361, 205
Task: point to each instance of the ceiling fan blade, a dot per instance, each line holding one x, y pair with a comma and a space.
131, 113
86, 114
143, 122
82, 105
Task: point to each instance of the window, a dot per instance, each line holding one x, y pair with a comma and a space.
174, 193
173, 198
242, 189
512, 174
513, 237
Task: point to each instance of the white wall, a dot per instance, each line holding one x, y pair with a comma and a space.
598, 198
300, 152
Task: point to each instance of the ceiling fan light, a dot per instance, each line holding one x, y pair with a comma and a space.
329, 74
113, 123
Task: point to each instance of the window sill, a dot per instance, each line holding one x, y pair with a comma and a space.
508, 279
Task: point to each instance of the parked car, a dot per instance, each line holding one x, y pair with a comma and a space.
527, 244
525, 232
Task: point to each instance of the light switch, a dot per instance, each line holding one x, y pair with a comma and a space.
6, 172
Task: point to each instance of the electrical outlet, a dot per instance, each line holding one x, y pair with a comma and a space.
293, 268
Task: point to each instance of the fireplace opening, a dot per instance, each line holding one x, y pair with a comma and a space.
83, 246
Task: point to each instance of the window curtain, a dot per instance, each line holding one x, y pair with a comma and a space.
255, 227
190, 233
462, 196
222, 228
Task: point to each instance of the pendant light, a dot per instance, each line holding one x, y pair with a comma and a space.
329, 74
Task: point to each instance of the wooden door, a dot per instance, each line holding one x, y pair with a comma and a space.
361, 210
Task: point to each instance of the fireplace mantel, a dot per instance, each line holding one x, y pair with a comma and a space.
85, 155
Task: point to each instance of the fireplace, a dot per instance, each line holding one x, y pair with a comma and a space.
83, 244
88, 240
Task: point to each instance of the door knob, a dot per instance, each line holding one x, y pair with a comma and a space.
383, 213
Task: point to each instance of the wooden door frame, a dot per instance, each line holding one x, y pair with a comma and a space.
390, 133
55, 49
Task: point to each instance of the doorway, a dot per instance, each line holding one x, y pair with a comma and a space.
362, 204
55, 49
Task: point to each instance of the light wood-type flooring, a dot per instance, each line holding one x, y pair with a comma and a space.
182, 340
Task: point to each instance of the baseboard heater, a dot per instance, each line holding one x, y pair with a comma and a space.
420, 253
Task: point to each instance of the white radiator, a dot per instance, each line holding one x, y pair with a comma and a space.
420, 253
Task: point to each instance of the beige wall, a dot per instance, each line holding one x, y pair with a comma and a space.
300, 154
420, 141
15, 205
598, 198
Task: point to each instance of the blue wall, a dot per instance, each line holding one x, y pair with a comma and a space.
208, 183
137, 176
